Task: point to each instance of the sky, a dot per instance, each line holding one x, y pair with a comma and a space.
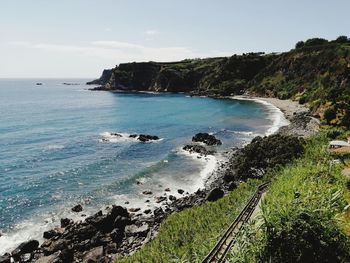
80, 38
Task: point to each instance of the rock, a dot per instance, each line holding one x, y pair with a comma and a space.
66, 222
126, 202
49, 259
94, 255
117, 235
106, 222
158, 214
197, 149
215, 194
133, 210
160, 199
55, 246
180, 191
133, 135
134, 230
232, 186
146, 138
116, 134
77, 208
167, 190
56, 232
172, 198
25, 247
206, 138
147, 192
147, 211
5, 258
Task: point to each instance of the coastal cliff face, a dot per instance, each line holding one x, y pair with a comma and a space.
211, 76
315, 73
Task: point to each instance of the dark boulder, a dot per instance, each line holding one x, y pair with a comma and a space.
5, 258
172, 198
117, 235
66, 222
56, 232
134, 230
55, 246
197, 149
77, 208
160, 199
25, 247
215, 194
121, 221
180, 191
206, 138
146, 138
94, 255
232, 186
147, 192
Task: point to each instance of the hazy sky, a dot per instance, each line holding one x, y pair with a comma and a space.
79, 38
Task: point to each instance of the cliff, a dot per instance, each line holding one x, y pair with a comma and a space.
315, 72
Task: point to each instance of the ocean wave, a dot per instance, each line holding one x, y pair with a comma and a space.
54, 147
122, 137
276, 115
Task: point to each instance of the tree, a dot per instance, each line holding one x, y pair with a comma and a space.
315, 41
342, 39
299, 44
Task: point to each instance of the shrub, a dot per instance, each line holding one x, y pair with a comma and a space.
330, 114
263, 153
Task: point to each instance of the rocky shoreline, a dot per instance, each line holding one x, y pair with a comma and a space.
119, 232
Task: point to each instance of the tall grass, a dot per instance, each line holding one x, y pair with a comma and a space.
188, 236
302, 215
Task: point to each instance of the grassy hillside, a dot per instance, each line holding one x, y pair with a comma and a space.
304, 215
188, 236
305, 218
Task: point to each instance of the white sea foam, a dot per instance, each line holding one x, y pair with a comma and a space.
210, 162
276, 115
54, 147
121, 137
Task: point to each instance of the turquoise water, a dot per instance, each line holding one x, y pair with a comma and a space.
52, 156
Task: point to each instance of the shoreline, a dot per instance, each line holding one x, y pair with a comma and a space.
146, 226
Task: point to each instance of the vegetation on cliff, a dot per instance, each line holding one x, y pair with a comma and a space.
315, 72
302, 214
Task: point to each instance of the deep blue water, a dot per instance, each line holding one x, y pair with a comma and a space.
52, 156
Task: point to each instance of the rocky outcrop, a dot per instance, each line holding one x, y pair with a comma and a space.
198, 149
206, 138
146, 138
210, 76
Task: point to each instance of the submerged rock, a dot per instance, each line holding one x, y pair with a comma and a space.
206, 138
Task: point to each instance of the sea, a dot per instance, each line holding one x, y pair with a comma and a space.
57, 148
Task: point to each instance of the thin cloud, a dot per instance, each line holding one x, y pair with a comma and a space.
151, 32
118, 51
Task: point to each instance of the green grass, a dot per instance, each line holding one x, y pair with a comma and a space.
303, 215
188, 236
